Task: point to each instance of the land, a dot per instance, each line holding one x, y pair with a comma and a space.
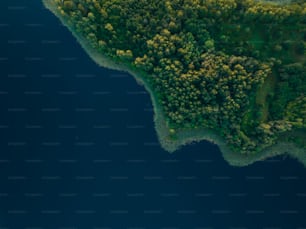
229, 85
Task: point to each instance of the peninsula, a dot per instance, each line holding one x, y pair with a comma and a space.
232, 72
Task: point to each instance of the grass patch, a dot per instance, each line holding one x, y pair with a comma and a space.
262, 95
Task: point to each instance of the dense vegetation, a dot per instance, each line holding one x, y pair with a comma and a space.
235, 66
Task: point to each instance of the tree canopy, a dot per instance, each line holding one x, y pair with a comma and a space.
235, 66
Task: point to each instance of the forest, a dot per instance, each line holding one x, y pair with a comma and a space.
237, 67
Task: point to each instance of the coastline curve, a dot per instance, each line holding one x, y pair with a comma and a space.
184, 137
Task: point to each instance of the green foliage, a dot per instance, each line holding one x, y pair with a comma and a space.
234, 66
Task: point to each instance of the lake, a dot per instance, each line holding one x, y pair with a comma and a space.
78, 148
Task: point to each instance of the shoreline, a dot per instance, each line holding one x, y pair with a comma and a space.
184, 137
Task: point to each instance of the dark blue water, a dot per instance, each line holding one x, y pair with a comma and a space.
78, 148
